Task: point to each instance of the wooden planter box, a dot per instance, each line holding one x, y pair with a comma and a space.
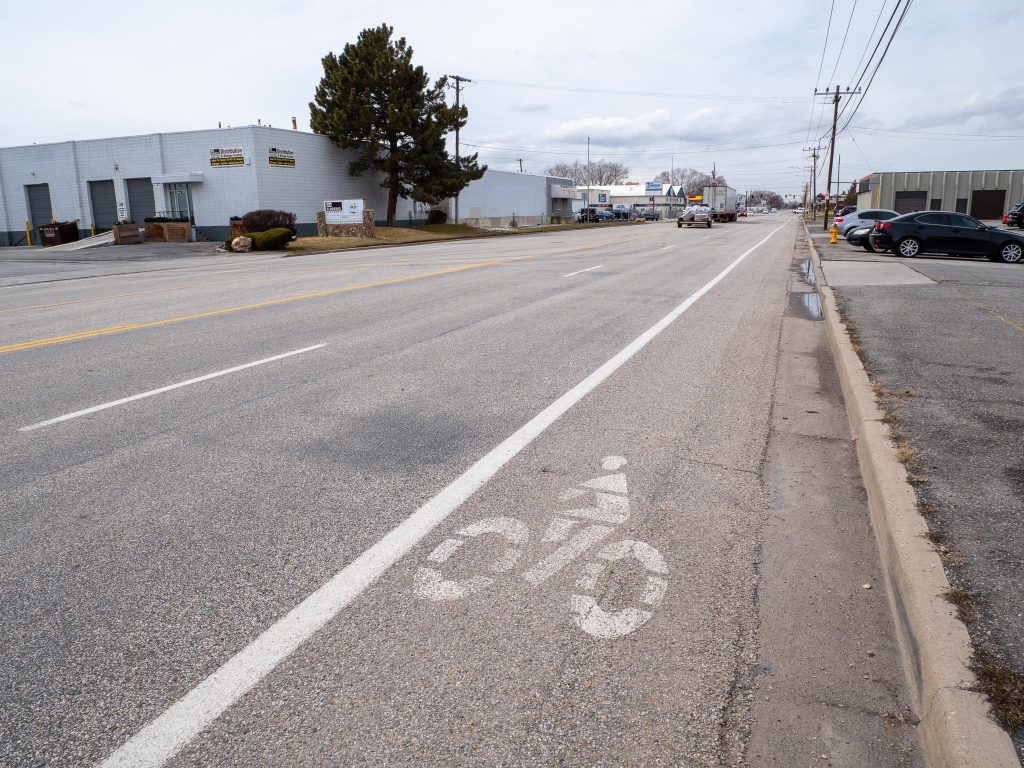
125, 234
169, 231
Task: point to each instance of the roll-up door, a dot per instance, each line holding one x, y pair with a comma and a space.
140, 199
909, 202
104, 204
988, 203
39, 208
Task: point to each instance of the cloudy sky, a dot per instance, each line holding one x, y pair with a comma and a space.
684, 84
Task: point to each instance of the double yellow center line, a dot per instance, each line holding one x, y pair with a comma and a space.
34, 343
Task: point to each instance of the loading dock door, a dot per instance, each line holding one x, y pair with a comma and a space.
140, 199
39, 209
988, 203
909, 202
104, 204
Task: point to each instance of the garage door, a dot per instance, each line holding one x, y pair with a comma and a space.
140, 199
104, 204
908, 202
39, 209
988, 203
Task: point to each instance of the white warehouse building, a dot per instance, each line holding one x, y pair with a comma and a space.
208, 176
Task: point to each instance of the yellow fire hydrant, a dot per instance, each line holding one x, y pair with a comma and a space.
834, 234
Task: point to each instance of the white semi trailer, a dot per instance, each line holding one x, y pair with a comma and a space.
722, 202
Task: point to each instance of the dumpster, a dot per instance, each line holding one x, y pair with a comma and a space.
58, 233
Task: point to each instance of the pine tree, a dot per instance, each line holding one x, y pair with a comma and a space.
372, 99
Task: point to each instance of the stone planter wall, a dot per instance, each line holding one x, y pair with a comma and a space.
366, 229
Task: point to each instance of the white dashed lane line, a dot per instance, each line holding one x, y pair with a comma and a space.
580, 272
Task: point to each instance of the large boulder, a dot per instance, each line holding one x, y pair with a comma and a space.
241, 244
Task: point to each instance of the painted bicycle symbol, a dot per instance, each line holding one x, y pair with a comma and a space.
573, 533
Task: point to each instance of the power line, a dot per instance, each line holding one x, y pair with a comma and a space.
658, 94
842, 47
871, 36
936, 135
640, 153
821, 64
874, 72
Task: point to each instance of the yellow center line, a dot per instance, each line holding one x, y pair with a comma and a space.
79, 336
32, 344
402, 261
241, 281
1006, 320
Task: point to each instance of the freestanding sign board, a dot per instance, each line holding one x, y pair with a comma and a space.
343, 211
653, 188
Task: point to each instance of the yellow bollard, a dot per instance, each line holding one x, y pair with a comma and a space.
834, 233
28, 232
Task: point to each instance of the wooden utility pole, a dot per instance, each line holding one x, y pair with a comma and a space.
459, 80
832, 146
813, 186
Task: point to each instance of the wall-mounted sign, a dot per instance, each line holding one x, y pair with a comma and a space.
561, 191
653, 188
227, 156
602, 197
283, 157
343, 211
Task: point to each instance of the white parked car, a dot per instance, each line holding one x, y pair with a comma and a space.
798, 209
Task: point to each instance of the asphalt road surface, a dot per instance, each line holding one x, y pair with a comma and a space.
577, 499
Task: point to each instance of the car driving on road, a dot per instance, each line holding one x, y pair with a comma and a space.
947, 232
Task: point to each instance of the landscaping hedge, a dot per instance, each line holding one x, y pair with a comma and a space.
271, 240
265, 220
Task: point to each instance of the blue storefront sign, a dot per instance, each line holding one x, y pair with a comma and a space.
653, 188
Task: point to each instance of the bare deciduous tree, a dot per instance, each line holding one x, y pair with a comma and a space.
692, 181
602, 172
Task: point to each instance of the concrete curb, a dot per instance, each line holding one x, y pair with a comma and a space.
956, 729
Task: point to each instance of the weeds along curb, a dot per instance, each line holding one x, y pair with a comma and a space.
956, 729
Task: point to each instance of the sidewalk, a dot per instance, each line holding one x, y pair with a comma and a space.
943, 341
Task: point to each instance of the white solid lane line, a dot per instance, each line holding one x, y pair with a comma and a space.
168, 388
588, 269
158, 741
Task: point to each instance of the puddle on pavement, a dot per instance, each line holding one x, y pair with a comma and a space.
806, 305
806, 270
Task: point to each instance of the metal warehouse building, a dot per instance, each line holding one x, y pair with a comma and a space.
208, 176
982, 194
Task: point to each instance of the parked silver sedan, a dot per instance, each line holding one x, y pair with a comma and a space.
865, 218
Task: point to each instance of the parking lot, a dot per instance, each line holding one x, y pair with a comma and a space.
943, 339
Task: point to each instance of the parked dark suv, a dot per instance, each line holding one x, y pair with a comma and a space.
946, 232
1015, 216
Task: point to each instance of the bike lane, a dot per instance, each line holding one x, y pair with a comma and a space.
501, 639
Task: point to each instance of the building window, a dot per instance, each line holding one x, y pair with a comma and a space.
179, 201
